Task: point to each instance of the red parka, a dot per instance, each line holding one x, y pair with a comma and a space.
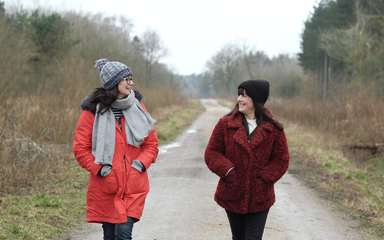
259, 163
122, 193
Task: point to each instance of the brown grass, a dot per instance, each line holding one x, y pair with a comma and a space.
354, 114
354, 120
36, 134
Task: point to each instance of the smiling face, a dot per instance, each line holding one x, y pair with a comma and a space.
125, 87
246, 106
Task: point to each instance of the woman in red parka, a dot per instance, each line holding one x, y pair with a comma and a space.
248, 151
115, 140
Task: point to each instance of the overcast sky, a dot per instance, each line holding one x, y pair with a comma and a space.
193, 31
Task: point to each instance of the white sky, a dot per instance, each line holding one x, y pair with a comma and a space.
193, 31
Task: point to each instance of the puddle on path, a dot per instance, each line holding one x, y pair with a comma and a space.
164, 149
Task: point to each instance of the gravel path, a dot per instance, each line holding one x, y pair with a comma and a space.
180, 204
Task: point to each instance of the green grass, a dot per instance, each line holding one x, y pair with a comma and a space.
45, 214
174, 120
355, 186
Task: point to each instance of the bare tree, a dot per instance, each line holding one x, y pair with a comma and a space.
153, 49
224, 64
248, 58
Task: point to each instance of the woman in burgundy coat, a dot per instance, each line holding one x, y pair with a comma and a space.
248, 150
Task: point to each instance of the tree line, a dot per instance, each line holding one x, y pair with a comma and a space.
38, 47
342, 51
342, 45
47, 67
238, 61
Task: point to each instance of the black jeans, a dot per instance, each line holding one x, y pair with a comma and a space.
249, 226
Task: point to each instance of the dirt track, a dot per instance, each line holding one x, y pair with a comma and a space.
180, 205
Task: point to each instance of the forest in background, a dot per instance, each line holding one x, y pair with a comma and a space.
341, 47
342, 57
236, 62
336, 82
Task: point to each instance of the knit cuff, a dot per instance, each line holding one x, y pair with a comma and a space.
105, 170
139, 166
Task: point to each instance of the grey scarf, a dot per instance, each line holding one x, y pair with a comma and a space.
138, 125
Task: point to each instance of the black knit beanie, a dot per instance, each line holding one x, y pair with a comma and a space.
258, 90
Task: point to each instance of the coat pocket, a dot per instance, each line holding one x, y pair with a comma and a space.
137, 182
263, 192
109, 183
229, 191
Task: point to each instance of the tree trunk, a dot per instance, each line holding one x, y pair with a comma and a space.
247, 64
330, 75
325, 77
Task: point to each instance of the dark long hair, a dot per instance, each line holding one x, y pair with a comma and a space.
260, 113
104, 97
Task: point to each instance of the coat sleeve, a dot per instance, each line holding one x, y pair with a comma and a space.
149, 148
278, 160
82, 144
215, 151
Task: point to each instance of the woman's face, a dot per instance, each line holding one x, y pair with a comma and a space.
246, 105
124, 87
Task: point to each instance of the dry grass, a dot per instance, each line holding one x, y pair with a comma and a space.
156, 100
37, 129
353, 113
355, 121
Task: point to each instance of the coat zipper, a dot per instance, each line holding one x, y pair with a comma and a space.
125, 165
125, 162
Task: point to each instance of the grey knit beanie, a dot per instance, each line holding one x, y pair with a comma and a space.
258, 90
111, 73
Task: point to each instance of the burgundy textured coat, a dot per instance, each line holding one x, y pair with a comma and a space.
259, 163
